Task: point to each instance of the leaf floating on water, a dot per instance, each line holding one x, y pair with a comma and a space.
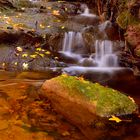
114, 118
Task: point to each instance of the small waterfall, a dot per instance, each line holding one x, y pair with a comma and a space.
87, 12
68, 41
104, 56
73, 41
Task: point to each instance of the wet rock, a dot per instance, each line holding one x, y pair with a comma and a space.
26, 52
85, 20
133, 38
85, 93
74, 97
6, 4
55, 42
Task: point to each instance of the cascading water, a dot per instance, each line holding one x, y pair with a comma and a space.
104, 56
87, 13
71, 43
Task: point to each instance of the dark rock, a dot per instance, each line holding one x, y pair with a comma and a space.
85, 20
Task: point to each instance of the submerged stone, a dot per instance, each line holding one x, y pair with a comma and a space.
97, 99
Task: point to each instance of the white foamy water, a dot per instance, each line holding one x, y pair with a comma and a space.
104, 55
87, 13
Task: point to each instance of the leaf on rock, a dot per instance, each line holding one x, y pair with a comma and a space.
114, 118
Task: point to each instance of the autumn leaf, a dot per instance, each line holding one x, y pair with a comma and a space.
24, 55
66, 133
56, 12
62, 27
131, 99
33, 56
42, 55
16, 63
49, 26
38, 49
49, 8
19, 49
47, 52
25, 66
42, 26
114, 118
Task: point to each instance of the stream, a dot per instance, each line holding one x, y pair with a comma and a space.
47, 42
21, 107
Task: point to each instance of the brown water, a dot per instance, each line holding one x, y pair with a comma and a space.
25, 115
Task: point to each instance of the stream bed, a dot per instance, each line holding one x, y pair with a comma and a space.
25, 114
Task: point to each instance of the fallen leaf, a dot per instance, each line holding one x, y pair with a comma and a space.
56, 12
25, 66
114, 118
19, 49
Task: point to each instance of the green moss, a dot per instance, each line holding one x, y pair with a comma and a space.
107, 101
125, 19
137, 52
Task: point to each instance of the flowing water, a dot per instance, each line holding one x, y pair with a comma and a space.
24, 114
104, 58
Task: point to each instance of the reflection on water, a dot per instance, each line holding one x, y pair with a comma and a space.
24, 112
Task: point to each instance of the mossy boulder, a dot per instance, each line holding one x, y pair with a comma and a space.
99, 100
88, 105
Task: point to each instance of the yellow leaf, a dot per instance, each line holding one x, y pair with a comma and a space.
24, 55
62, 27
49, 26
19, 49
66, 133
42, 26
25, 66
65, 75
56, 57
131, 99
16, 63
49, 8
114, 118
38, 49
42, 55
47, 52
3, 64
56, 12
33, 56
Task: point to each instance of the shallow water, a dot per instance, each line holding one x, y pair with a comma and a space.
19, 99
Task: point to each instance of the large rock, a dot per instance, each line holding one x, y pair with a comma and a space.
85, 103
99, 100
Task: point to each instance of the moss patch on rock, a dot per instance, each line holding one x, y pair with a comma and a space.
126, 18
107, 101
